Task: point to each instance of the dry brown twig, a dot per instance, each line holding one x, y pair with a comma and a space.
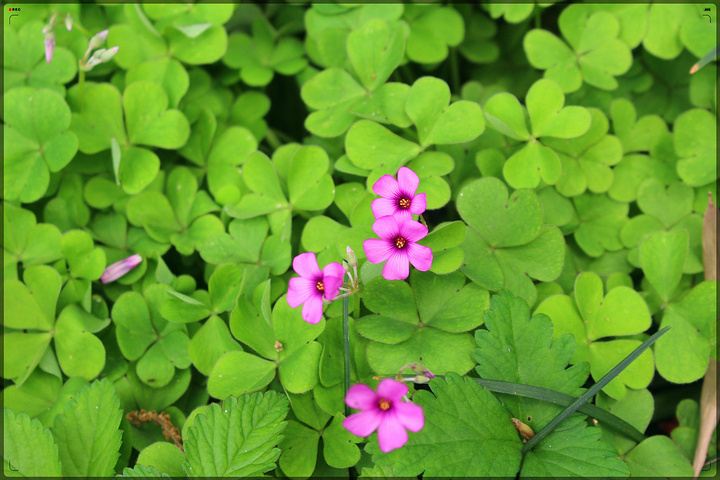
708, 397
161, 419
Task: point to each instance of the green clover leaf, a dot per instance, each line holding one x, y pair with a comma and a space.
695, 145
507, 238
601, 220
25, 62
432, 30
181, 216
37, 141
286, 342
548, 118
597, 54
593, 315
400, 335
662, 38
586, 160
694, 334
27, 241
143, 334
260, 56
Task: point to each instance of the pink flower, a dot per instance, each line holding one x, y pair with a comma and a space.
397, 245
313, 285
118, 269
398, 196
385, 412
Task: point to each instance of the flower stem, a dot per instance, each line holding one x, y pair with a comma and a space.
272, 139
81, 85
346, 349
455, 72
356, 310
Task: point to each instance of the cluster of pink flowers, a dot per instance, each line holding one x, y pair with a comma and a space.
397, 246
383, 411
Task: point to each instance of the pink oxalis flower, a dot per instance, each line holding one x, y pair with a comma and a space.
397, 244
385, 412
313, 285
398, 197
118, 269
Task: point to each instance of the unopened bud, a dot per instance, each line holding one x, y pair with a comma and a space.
108, 54
49, 46
351, 257
347, 267
98, 40
68, 22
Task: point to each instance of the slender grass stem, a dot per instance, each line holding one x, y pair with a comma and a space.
81, 86
454, 70
346, 348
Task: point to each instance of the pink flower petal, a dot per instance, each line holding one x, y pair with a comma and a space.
412, 230
312, 310
386, 227
382, 207
391, 434
377, 250
421, 256
363, 423
333, 269
361, 397
410, 415
392, 390
403, 215
387, 187
306, 266
397, 267
299, 290
419, 204
408, 180
332, 286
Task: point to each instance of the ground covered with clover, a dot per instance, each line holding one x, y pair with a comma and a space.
364, 241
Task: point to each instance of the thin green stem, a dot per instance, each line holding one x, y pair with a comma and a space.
81, 86
346, 348
592, 391
454, 71
356, 310
537, 17
272, 139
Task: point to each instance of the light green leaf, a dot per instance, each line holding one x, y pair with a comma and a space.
237, 438
87, 433
28, 448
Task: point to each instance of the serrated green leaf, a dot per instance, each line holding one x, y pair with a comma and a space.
87, 432
463, 422
28, 448
236, 438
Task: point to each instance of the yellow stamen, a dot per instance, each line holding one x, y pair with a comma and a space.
320, 286
400, 242
404, 203
384, 404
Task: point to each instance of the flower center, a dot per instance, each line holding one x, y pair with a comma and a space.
400, 242
384, 404
404, 203
320, 287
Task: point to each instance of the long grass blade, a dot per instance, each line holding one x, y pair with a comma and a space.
563, 399
592, 391
712, 55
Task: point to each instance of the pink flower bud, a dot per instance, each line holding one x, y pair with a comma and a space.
49, 46
68, 22
118, 269
98, 40
108, 54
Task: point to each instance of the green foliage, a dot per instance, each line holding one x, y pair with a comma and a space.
593, 315
244, 433
463, 421
221, 141
87, 432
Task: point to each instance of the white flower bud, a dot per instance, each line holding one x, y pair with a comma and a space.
351, 257
98, 40
68, 22
108, 54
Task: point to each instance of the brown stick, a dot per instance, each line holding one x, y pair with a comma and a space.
161, 419
708, 397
